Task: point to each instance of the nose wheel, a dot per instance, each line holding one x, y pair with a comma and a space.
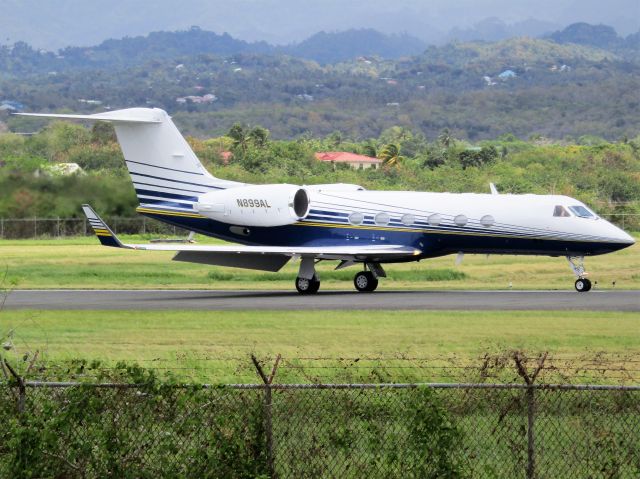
365, 282
582, 285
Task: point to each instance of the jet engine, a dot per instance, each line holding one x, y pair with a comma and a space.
256, 205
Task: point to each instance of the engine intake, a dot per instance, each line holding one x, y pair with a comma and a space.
256, 205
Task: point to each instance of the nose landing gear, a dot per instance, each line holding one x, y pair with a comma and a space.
582, 284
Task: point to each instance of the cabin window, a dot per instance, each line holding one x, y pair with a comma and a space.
560, 211
487, 221
408, 220
581, 211
435, 219
460, 220
382, 219
356, 218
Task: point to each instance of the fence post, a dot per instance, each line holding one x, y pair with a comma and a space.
2, 228
531, 408
35, 227
22, 390
58, 226
268, 420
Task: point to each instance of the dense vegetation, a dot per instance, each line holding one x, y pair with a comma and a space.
603, 174
579, 82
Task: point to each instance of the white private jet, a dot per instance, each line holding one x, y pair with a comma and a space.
274, 223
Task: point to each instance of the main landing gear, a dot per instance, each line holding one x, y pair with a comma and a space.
582, 284
307, 286
365, 281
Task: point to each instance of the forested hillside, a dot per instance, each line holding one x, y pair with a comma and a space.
561, 89
604, 175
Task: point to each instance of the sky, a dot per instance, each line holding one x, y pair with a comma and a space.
52, 24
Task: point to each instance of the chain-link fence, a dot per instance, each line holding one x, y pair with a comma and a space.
33, 228
337, 431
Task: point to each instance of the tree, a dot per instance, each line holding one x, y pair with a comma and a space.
445, 138
259, 136
390, 155
370, 149
240, 137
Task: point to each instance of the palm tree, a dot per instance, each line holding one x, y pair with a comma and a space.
240, 137
390, 155
259, 136
445, 138
370, 149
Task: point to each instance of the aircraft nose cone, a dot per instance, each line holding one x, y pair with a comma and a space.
621, 236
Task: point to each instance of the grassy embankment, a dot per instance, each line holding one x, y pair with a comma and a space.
196, 342
83, 263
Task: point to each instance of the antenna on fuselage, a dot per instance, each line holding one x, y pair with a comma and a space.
494, 190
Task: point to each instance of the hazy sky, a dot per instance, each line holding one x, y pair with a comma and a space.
52, 24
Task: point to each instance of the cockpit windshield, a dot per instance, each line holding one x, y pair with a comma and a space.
581, 211
560, 211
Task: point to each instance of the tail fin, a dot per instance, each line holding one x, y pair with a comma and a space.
164, 169
100, 228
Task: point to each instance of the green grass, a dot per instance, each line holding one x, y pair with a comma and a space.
197, 341
83, 263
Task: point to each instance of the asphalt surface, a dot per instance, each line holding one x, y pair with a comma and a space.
325, 300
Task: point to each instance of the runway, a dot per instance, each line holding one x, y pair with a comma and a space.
221, 300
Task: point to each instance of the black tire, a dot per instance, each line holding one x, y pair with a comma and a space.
307, 286
582, 285
365, 282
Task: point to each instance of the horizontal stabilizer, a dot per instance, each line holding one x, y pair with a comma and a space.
122, 116
100, 228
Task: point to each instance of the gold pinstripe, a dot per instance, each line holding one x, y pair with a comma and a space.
381, 228
443, 232
168, 213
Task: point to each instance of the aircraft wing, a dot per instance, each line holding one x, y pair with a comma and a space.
266, 258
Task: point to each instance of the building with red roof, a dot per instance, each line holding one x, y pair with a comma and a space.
354, 160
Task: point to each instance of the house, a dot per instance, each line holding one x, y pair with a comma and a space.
505, 75
352, 159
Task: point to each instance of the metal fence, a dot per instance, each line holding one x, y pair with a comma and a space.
337, 430
33, 228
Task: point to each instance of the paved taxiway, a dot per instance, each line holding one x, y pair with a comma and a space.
285, 300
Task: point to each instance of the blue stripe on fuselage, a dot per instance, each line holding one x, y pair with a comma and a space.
163, 194
431, 243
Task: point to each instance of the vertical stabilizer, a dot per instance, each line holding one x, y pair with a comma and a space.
164, 169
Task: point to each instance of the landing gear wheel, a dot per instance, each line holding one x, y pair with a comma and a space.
583, 285
307, 286
365, 281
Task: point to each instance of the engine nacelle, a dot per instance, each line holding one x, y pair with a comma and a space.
256, 205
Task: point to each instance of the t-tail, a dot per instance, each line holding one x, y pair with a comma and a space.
164, 169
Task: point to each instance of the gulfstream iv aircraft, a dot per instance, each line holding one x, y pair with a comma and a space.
274, 223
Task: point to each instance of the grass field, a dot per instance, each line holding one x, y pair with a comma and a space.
197, 341
83, 263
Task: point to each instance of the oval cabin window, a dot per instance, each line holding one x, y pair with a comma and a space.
460, 220
487, 221
408, 220
382, 219
356, 218
435, 219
